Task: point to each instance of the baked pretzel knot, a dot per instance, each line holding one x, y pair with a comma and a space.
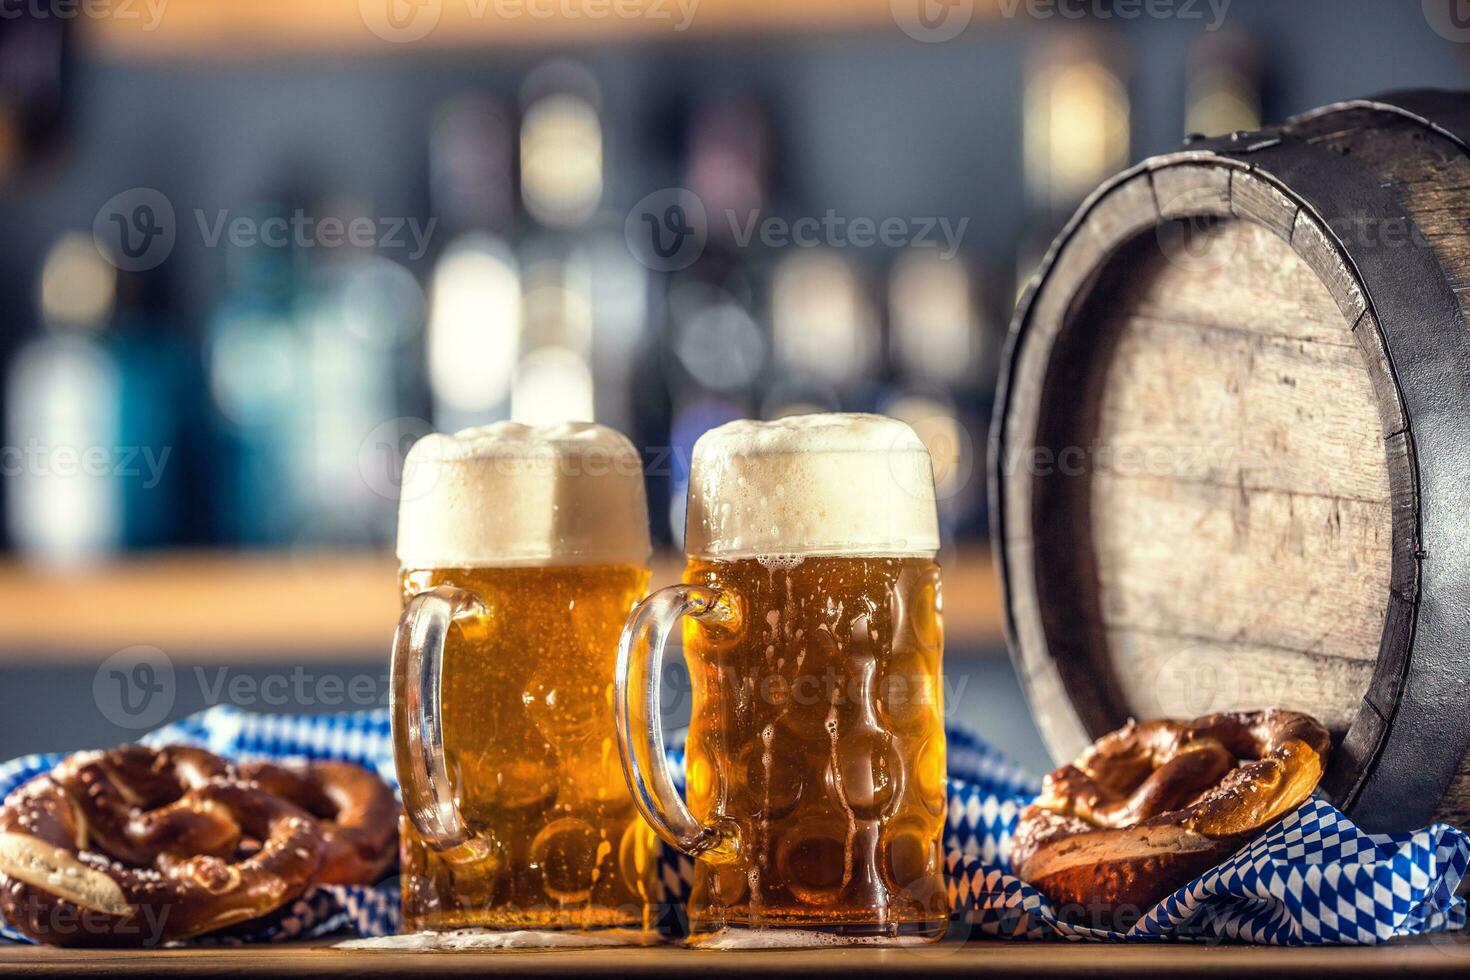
357, 812
1151, 806
139, 846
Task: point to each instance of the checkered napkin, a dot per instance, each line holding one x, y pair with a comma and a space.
1313, 878
362, 737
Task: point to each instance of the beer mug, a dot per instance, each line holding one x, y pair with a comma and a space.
522, 551
815, 760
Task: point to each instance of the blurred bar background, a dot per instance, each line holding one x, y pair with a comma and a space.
252, 250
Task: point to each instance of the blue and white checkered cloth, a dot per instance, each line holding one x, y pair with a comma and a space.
1313, 878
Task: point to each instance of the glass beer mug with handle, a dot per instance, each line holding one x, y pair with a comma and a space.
522, 551
815, 761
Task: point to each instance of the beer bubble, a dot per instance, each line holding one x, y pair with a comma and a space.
728, 885
637, 859
773, 776
867, 775
907, 695
812, 858
596, 774
910, 857
930, 774
514, 781
566, 852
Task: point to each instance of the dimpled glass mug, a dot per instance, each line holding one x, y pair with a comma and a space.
815, 762
522, 551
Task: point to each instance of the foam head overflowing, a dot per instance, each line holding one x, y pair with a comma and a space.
511, 494
811, 485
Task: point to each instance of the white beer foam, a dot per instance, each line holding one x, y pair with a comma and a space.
830, 484
508, 494
763, 938
456, 939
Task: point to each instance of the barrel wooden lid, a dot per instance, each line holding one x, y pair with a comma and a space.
1232, 456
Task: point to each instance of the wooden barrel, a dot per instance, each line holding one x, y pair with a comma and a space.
1231, 463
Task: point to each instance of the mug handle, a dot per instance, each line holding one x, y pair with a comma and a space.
416, 706
640, 728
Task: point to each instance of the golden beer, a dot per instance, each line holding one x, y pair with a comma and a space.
815, 762
818, 729
528, 722
521, 552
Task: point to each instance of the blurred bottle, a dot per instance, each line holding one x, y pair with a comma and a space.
1076, 116
1223, 88
561, 147
943, 348
715, 357
475, 311
825, 326
359, 315
257, 364
93, 414
35, 69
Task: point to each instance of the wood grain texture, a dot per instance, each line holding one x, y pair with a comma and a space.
1241, 492
990, 958
1228, 511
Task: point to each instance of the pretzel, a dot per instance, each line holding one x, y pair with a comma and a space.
357, 812
1151, 806
174, 817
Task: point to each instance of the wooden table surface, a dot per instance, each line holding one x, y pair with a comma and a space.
988, 959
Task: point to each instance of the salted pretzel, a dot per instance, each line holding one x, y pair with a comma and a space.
137, 846
357, 812
1149, 807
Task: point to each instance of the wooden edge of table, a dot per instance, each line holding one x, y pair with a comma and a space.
243, 608
988, 958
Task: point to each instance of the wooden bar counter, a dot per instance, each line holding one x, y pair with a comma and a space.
1441, 955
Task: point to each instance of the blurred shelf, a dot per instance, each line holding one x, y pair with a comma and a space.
262, 607
208, 29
